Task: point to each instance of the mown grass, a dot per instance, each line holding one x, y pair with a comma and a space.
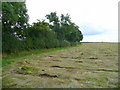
27, 70
10, 58
91, 65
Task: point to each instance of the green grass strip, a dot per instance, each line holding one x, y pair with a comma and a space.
10, 58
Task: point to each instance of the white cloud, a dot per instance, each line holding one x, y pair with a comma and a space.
89, 29
99, 13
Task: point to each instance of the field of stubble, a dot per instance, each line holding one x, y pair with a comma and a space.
90, 65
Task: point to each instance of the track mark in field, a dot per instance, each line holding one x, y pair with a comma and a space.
52, 56
48, 75
108, 70
103, 70
65, 67
79, 61
64, 57
92, 57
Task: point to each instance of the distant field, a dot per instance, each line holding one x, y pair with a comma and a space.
90, 65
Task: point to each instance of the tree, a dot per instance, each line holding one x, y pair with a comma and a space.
54, 21
64, 28
71, 30
74, 34
18, 34
52, 17
14, 22
40, 36
65, 19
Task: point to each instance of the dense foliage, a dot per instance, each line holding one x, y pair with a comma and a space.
18, 35
14, 22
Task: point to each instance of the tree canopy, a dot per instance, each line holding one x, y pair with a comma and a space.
14, 22
18, 35
64, 27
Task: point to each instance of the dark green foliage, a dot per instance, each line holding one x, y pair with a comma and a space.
64, 43
6, 62
18, 35
40, 36
14, 21
10, 43
53, 18
14, 15
64, 28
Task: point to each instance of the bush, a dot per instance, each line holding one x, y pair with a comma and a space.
64, 43
10, 43
27, 44
73, 43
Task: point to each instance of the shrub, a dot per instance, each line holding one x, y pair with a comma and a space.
73, 43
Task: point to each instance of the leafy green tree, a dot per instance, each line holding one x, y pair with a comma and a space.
18, 35
41, 36
71, 30
14, 22
53, 18
14, 17
74, 34
55, 24
64, 28
65, 19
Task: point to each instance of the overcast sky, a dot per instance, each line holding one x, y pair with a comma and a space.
97, 19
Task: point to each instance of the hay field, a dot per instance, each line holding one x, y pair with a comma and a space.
90, 65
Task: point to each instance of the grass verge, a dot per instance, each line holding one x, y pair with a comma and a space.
10, 58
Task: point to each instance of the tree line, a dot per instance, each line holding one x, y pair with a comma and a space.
18, 34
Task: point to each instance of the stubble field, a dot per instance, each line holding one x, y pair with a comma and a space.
90, 65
